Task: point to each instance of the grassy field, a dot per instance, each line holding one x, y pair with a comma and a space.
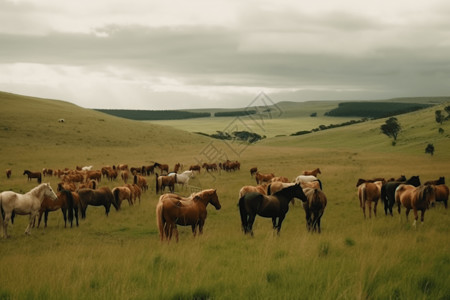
121, 257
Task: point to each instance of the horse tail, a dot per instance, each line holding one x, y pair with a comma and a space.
243, 213
94, 185
363, 196
116, 193
135, 179
160, 219
176, 180
157, 185
39, 178
268, 189
320, 183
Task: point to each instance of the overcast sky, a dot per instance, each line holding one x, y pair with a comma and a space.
142, 54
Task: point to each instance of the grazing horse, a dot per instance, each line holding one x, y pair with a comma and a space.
253, 171
141, 182
173, 210
32, 175
66, 202
415, 198
163, 181
314, 208
313, 172
122, 193
369, 192
100, 197
388, 192
442, 193
260, 178
124, 175
274, 206
8, 173
262, 189
163, 167
24, 204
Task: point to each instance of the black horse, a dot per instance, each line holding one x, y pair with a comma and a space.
273, 206
100, 197
388, 192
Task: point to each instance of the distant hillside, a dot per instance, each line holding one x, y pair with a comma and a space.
375, 110
148, 115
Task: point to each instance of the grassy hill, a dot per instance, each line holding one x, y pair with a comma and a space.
120, 256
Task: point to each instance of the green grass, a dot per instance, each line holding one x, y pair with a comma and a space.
120, 256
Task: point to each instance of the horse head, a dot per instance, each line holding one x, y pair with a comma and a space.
49, 191
414, 180
211, 197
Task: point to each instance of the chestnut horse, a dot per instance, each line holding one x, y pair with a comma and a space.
67, 201
388, 192
163, 181
314, 208
173, 210
253, 171
369, 192
252, 189
260, 178
32, 175
274, 206
442, 193
100, 197
313, 172
163, 167
123, 193
8, 173
415, 198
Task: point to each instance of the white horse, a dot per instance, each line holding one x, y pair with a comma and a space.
24, 204
303, 179
86, 168
183, 178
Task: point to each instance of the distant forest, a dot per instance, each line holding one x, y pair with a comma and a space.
374, 109
147, 115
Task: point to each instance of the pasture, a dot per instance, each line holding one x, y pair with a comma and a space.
120, 256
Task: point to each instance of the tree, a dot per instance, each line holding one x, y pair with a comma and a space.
439, 116
430, 149
391, 128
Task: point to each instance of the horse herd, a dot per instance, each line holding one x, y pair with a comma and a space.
269, 198
409, 193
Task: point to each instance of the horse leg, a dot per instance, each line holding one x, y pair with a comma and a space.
39, 219
416, 216
370, 209
45, 218
280, 221
274, 222
251, 220
33, 215
5, 224
64, 212
194, 229
375, 208
76, 215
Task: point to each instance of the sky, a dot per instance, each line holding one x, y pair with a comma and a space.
142, 54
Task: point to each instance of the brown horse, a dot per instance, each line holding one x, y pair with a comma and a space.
210, 167
8, 173
46, 171
122, 193
94, 175
163, 167
313, 172
67, 201
173, 210
141, 182
163, 181
439, 181
280, 179
442, 193
314, 208
369, 192
415, 198
196, 168
70, 186
100, 197
253, 171
32, 175
260, 178
253, 189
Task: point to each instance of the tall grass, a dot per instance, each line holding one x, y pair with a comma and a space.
120, 256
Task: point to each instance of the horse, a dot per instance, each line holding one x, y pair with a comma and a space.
173, 210
260, 178
124, 175
94, 175
314, 208
8, 173
210, 167
141, 182
442, 193
388, 192
262, 189
313, 172
122, 193
253, 171
47, 171
86, 168
24, 204
162, 167
195, 168
369, 192
302, 179
100, 197
70, 186
67, 201
415, 198
32, 175
280, 179
163, 181
361, 180
439, 181
182, 178
273, 206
